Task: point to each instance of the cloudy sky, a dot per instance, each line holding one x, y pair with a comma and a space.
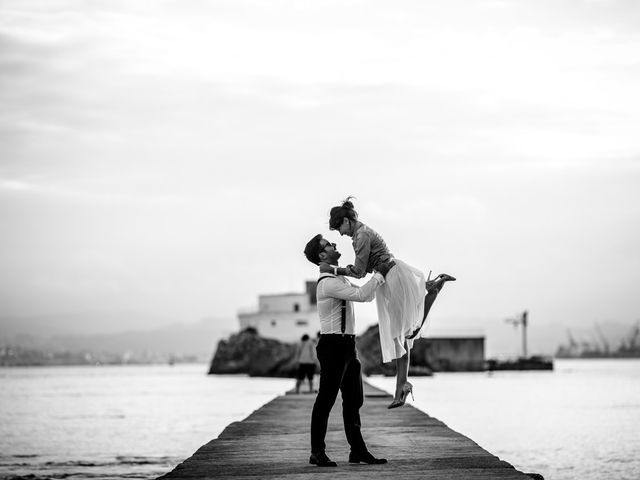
173, 158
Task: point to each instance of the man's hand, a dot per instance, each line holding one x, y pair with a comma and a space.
383, 269
325, 268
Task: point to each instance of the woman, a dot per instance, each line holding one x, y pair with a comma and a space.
403, 301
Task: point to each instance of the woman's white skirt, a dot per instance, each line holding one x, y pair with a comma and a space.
400, 303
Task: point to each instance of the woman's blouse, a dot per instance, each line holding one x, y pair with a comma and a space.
370, 250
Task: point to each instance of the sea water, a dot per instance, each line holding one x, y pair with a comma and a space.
113, 422
579, 421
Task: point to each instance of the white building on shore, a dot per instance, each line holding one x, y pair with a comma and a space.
285, 317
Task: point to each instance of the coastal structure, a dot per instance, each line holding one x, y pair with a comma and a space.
599, 346
286, 316
272, 443
451, 353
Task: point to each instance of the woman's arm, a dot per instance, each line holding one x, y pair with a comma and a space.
362, 248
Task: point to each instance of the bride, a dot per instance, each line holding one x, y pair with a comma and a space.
403, 301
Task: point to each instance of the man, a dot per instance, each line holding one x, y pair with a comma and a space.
306, 359
339, 365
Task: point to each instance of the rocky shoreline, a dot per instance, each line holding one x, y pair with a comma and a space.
248, 353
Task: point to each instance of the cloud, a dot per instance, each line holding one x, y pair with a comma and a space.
166, 156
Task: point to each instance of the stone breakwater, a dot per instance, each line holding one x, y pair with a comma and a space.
247, 352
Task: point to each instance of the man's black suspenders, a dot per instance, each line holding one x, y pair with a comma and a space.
343, 308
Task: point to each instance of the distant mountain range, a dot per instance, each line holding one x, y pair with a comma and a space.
82, 323
194, 339
123, 332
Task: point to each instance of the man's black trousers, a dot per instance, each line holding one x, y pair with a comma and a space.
339, 370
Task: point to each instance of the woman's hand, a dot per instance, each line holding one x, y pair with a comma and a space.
325, 268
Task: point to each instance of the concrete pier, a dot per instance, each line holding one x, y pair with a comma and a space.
273, 443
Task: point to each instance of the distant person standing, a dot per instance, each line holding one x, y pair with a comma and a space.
307, 359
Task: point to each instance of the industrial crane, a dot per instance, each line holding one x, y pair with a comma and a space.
521, 320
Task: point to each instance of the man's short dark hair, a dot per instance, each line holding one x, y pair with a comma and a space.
313, 249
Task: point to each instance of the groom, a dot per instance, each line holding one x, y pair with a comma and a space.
339, 365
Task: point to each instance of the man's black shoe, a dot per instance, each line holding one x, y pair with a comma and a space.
365, 457
321, 460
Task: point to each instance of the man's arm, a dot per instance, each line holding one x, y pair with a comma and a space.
335, 288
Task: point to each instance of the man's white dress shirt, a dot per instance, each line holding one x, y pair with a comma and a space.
330, 293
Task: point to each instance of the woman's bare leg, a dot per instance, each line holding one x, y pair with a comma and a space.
402, 363
430, 297
433, 289
403, 387
402, 372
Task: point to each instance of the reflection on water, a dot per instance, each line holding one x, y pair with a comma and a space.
580, 421
140, 421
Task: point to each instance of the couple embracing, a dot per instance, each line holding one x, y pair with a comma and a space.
403, 300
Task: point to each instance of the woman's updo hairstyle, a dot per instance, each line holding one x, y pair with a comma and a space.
338, 214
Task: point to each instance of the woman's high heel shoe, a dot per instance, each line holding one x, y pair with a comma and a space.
446, 278
438, 281
407, 389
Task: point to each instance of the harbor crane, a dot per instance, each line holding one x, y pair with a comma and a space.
521, 319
